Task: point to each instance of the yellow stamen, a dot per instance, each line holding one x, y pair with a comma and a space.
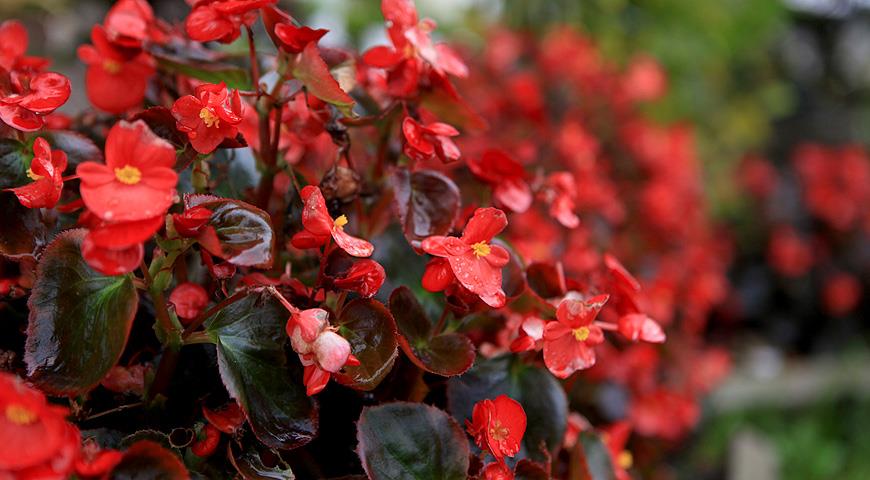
581, 334
481, 249
209, 118
498, 431
33, 176
625, 460
20, 415
341, 221
111, 66
128, 175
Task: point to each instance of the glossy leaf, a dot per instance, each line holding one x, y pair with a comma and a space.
427, 203
14, 159
411, 441
78, 148
590, 459
209, 72
244, 231
312, 71
249, 335
541, 396
24, 232
546, 279
371, 331
146, 460
251, 466
79, 320
446, 354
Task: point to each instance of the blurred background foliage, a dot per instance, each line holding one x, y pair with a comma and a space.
752, 76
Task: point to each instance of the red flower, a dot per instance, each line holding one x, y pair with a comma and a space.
116, 78
221, 20
129, 23
664, 414
46, 171
498, 426
189, 299
568, 341
126, 379
37, 440
96, 462
13, 46
206, 442
615, 437
430, 141
497, 471
25, 97
506, 177
364, 277
112, 261
291, 38
475, 262
438, 275
227, 419
638, 326
209, 117
561, 194
319, 227
191, 222
321, 350
137, 181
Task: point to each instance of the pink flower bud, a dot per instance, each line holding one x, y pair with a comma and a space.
304, 327
331, 350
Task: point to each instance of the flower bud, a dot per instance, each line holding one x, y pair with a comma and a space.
304, 327
331, 350
365, 277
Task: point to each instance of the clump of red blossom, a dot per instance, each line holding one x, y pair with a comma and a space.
516, 202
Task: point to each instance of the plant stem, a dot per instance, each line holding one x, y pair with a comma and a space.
289, 306
120, 408
442, 321
255, 65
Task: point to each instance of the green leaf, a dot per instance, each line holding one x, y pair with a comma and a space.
446, 354
79, 320
15, 159
590, 459
541, 396
411, 441
146, 460
249, 335
231, 75
24, 230
371, 331
312, 71
244, 232
250, 465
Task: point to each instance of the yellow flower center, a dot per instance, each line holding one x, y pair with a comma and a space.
111, 66
581, 334
128, 175
209, 118
498, 431
481, 249
20, 415
33, 176
341, 221
624, 460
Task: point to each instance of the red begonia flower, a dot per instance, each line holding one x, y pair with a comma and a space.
364, 277
227, 419
319, 227
506, 177
209, 116
221, 20
665, 414
13, 43
137, 181
498, 426
497, 471
129, 23
615, 437
561, 193
294, 39
430, 141
95, 462
25, 97
116, 78
638, 326
475, 262
46, 171
568, 341
190, 299
117, 235
438, 275
112, 261
190, 223
37, 440
206, 442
